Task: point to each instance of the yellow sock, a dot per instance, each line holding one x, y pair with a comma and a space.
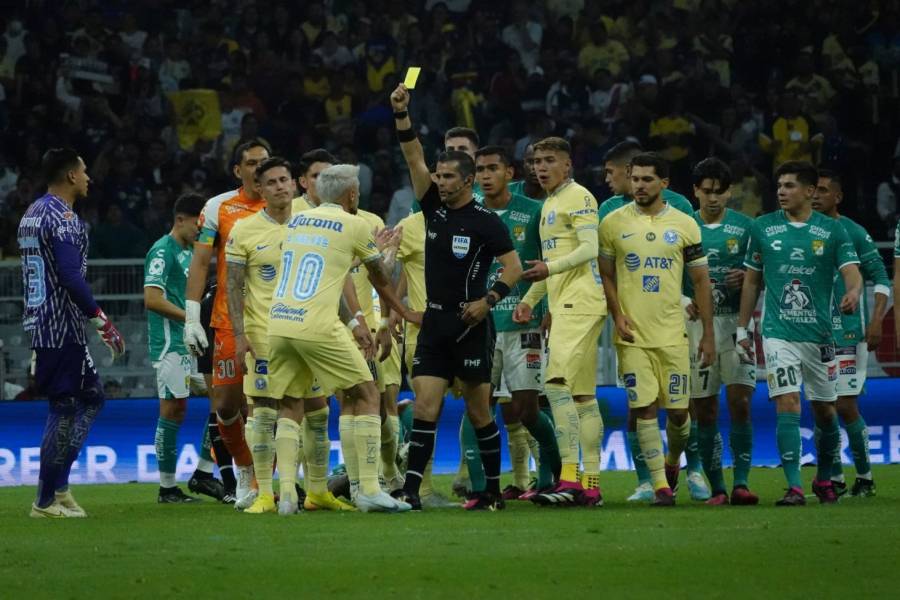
301, 454
317, 447
517, 438
287, 441
262, 446
651, 447
591, 438
389, 446
677, 438
534, 448
568, 427
347, 428
367, 431
426, 488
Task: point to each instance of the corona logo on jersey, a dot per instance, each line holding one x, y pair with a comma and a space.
303, 221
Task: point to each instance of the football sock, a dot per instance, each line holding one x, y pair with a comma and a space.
829, 446
637, 457
534, 449
549, 462
367, 431
406, 419
710, 442
472, 456
421, 446
651, 447
301, 453
591, 436
787, 435
692, 450
568, 435
205, 460
858, 437
741, 440
166, 442
489, 448
317, 449
347, 431
517, 440
222, 455
548, 412
263, 446
389, 429
677, 436
54, 443
232, 431
87, 408
287, 442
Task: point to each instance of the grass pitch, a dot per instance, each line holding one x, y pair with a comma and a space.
130, 547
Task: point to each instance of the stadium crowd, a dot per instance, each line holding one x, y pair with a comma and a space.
754, 83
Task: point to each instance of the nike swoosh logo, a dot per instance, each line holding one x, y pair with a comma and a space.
626, 235
262, 247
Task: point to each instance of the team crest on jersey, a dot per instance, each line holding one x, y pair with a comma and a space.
157, 265
68, 216
260, 383
551, 217
630, 380
518, 232
734, 247
670, 236
461, 245
818, 247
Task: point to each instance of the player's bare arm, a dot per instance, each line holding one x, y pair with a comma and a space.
412, 148
350, 313
703, 299
749, 297
234, 289
535, 293
381, 281
624, 325
853, 283
155, 300
475, 311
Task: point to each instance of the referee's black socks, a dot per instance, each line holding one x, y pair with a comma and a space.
421, 446
489, 447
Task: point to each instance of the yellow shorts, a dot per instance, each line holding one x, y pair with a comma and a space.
410, 337
389, 370
573, 352
651, 373
304, 368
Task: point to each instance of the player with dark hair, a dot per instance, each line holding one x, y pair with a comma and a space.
461, 139
53, 243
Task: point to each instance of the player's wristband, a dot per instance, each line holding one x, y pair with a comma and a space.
501, 289
358, 314
191, 311
384, 324
353, 323
406, 135
401, 114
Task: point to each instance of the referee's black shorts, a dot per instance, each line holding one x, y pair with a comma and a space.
450, 349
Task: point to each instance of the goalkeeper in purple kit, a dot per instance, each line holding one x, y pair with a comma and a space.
53, 243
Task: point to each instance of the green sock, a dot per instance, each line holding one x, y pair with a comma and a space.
549, 462
837, 468
787, 434
710, 443
166, 442
205, 461
829, 445
548, 412
692, 450
472, 455
858, 436
637, 457
406, 420
741, 441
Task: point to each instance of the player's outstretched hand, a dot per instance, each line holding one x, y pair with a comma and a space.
475, 312
521, 314
108, 333
242, 346
849, 303
537, 271
625, 328
383, 343
400, 98
364, 340
194, 335
734, 279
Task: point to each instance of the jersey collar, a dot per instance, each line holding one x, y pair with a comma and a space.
563, 186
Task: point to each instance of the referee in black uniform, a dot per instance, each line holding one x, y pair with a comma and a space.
456, 339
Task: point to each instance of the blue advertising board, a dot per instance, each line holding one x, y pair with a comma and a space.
120, 446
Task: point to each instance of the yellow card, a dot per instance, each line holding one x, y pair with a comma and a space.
412, 75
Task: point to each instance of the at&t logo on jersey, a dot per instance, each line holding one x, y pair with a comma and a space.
267, 272
632, 261
461, 245
651, 283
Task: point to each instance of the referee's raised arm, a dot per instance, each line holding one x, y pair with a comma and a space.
409, 143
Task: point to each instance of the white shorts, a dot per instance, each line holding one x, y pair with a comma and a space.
727, 368
852, 362
519, 360
792, 364
176, 376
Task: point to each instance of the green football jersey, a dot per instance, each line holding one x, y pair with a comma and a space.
166, 267
897, 242
850, 329
725, 244
799, 262
674, 199
522, 217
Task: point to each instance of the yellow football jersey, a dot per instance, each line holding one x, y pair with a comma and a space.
255, 242
299, 204
360, 274
318, 250
650, 254
578, 291
412, 254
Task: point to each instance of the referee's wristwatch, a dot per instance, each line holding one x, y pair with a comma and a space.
491, 300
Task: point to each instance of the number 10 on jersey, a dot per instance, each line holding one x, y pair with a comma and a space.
307, 277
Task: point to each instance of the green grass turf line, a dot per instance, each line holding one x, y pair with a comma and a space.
131, 547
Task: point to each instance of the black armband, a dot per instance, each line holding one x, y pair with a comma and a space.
500, 288
406, 135
401, 114
692, 253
